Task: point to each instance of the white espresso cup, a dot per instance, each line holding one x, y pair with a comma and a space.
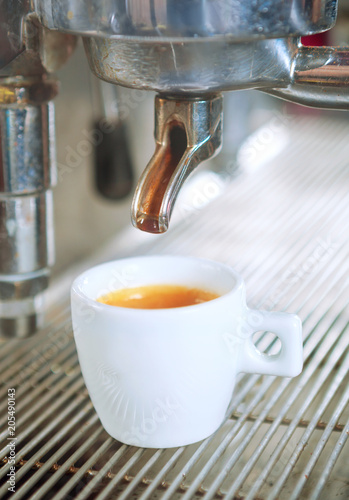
162, 378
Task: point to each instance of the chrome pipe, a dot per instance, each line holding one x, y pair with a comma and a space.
26, 213
28, 53
320, 78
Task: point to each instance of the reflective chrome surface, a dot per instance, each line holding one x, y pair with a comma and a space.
27, 161
320, 78
28, 154
27, 173
187, 132
197, 67
26, 233
312, 76
26, 176
26, 254
174, 19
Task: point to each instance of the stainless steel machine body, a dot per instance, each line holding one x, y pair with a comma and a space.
200, 47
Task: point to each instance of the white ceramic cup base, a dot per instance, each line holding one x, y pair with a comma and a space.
164, 378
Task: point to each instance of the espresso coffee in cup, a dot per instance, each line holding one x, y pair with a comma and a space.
164, 377
157, 297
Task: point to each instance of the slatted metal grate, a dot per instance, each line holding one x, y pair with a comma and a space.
284, 227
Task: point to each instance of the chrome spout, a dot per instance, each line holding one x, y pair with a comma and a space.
187, 132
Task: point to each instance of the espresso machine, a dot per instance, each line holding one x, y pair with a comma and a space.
188, 52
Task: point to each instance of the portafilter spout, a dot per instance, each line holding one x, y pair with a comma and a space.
188, 130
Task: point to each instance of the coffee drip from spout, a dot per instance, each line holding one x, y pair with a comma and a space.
188, 130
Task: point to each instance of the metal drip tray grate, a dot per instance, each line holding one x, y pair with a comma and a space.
284, 227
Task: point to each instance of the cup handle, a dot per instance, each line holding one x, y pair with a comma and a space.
289, 360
